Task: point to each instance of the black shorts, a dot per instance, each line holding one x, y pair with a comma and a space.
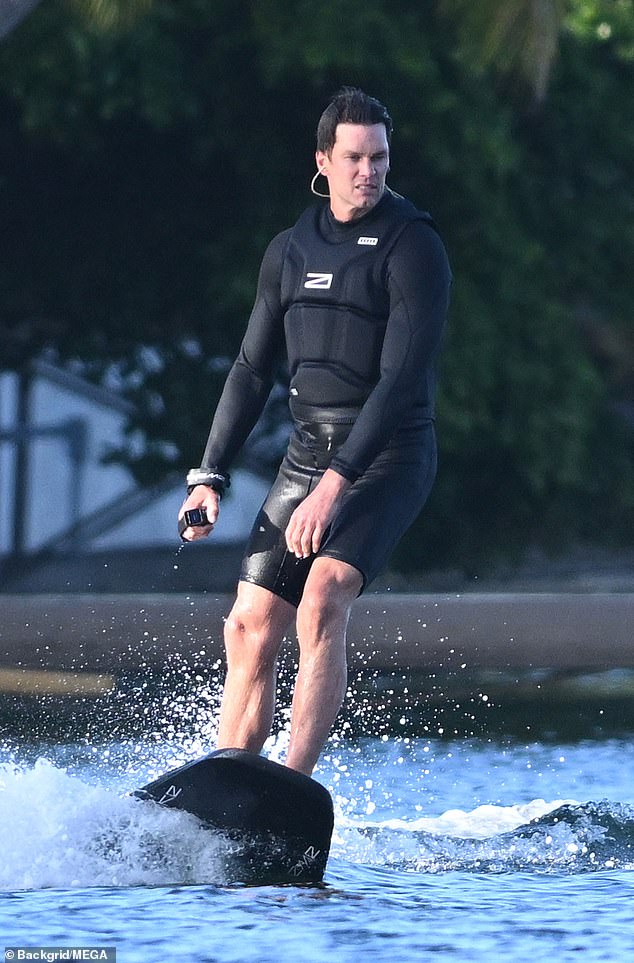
375, 511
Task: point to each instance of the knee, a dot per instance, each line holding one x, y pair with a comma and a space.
318, 606
325, 604
247, 638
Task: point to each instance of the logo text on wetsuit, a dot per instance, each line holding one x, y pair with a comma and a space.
321, 281
369, 241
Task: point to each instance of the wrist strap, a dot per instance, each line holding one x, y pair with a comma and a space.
212, 479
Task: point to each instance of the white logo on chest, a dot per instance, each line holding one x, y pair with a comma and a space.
368, 241
320, 281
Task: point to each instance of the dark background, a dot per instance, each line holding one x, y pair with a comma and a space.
147, 159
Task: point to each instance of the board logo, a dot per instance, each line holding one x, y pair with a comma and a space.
319, 281
305, 861
368, 241
171, 793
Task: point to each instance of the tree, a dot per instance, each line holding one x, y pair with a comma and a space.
143, 175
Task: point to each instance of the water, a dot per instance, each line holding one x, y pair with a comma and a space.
476, 846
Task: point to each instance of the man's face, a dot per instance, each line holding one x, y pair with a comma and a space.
356, 169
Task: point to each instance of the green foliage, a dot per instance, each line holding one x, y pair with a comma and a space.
143, 170
519, 38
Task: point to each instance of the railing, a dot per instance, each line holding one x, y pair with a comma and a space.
20, 432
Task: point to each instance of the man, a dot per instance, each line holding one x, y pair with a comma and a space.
356, 296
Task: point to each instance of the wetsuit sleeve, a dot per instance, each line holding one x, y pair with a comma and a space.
418, 281
251, 377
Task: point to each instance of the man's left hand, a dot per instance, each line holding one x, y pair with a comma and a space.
312, 517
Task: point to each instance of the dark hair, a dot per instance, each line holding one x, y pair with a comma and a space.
350, 105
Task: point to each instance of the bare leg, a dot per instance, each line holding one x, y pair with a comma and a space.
320, 687
253, 635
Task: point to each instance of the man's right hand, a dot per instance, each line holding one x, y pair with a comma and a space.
201, 497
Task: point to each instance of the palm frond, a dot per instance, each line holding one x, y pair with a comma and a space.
112, 14
519, 38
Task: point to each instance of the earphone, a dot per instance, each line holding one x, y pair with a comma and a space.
320, 173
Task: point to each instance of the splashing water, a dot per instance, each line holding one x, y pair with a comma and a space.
537, 837
406, 800
61, 830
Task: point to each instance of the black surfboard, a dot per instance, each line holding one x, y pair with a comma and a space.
279, 820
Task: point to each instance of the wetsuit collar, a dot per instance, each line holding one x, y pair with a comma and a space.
346, 227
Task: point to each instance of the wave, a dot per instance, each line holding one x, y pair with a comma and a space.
556, 837
58, 831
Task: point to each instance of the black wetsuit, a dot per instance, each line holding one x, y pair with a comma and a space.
359, 310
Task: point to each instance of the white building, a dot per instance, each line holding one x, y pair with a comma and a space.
58, 496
